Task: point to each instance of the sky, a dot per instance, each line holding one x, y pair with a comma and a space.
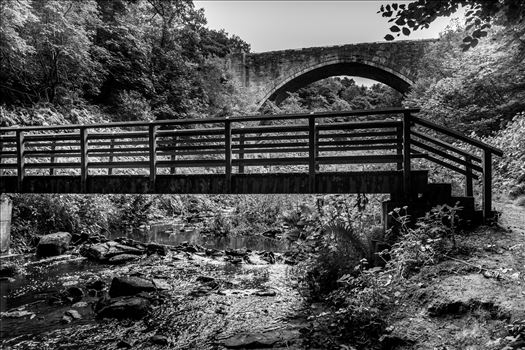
278, 25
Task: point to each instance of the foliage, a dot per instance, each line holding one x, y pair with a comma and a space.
147, 55
509, 171
337, 93
476, 91
479, 16
424, 244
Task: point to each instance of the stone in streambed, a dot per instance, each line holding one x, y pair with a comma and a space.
102, 252
8, 270
53, 244
159, 340
122, 259
123, 307
121, 286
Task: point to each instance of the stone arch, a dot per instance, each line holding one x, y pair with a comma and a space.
346, 66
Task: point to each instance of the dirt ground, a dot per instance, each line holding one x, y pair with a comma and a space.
472, 301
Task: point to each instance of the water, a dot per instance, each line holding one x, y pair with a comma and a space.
177, 232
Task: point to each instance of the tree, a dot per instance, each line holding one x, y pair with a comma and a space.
480, 15
475, 91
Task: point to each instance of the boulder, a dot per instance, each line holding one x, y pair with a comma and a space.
155, 248
9, 270
121, 286
122, 259
159, 340
102, 252
53, 244
124, 307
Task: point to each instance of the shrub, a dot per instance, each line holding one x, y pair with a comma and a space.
426, 242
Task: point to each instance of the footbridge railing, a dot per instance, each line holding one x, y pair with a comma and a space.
386, 139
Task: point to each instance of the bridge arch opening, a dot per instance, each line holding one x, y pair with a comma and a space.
307, 76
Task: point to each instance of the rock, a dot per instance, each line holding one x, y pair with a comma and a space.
272, 233
237, 252
96, 285
205, 279
261, 340
74, 314
154, 248
123, 307
159, 340
66, 319
74, 294
80, 304
265, 293
53, 244
9, 270
17, 314
122, 259
161, 284
122, 344
121, 286
102, 252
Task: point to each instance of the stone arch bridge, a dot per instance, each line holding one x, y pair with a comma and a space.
272, 75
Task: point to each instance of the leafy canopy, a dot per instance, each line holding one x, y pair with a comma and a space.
480, 15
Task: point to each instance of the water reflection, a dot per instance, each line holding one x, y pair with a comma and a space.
176, 233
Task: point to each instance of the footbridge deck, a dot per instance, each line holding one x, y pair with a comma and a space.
367, 151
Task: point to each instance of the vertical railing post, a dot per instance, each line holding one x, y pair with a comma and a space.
468, 177
241, 151
1, 156
111, 158
312, 154
173, 156
487, 185
152, 136
228, 155
53, 170
406, 154
399, 147
317, 166
20, 161
84, 160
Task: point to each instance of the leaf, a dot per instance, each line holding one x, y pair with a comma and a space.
401, 21
411, 23
474, 43
406, 31
389, 37
467, 39
394, 6
388, 7
395, 29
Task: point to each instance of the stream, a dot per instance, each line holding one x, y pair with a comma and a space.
191, 316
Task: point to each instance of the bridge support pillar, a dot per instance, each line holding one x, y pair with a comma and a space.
6, 207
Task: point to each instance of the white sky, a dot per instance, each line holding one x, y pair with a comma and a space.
278, 25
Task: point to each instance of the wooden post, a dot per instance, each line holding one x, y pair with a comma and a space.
228, 155
399, 147
317, 166
20, 161
53, 170
84, 159
468, 177
487, 185
312, 153
152, 157
173, 156
1, 157
406, 155
241, 152
112, 148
